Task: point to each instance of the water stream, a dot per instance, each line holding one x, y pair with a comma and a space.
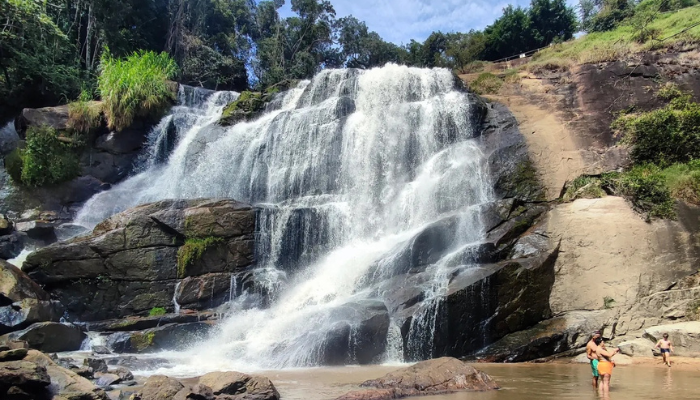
348, 168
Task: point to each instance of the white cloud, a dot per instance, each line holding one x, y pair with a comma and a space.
399, 21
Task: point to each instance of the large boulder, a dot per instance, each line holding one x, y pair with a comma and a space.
432, 377
159, 387
21, 314
167, 337
24, 376
49, 337
11, 245
685, 337
237, 384
15, 285
132, 261
65, 382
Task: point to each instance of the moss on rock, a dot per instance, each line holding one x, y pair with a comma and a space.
192, 250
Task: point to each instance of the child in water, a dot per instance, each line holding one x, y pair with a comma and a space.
666, 349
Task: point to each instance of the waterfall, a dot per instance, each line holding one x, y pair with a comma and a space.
347, 169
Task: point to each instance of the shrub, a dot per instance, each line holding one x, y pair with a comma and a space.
584, 187
13, 164
554, 64
84, 114
135, 87
156, 311
486, 83
683, 180
665, 136
645, 187
192, 250
48, 158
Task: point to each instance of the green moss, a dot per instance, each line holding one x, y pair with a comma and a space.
192, 250
156, 311
142, 341
48, 158
526, 182
486, 83
247, 106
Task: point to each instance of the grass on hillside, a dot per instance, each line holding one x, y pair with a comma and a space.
135, 87
621, 42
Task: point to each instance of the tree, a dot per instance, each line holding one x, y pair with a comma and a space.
510, 34
551, 20
463, 48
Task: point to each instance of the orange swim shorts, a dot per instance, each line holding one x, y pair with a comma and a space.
605, 368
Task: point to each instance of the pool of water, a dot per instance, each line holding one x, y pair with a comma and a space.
518, 382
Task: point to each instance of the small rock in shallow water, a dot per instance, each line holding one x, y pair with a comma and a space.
96, 364
123, 373
100, 350
106, 380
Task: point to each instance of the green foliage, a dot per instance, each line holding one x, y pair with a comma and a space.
486, 83
156, 312
135, 87
48, 158
248, 105
192, 250
666, 136
14, 163
683, 180
645, 186
142, 341
608, 302
584, 187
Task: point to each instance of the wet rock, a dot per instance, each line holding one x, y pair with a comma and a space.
432, 377
159, 387
84, 372
49, 337
685, 337
12, 355
128, 264
21, 314
15, 285
167, 337
100, 350
6, 226
105, 380
553, 336
11, 245
95, 364
359, 334
135, 363
135, 323
196, 392
9, 139
236, 383
64, 382
123, 373
17, 377
37, 230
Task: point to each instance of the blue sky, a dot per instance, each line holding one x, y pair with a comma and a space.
399, 21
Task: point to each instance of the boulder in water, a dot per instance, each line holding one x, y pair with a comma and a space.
21, 314
167, 337
131, 262
239, 384
24, 377
50, 337
11, 245
159, 387
432, 377
65, 382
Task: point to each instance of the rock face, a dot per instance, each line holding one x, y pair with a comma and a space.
129, 264
432, 377
167, 337
685, 337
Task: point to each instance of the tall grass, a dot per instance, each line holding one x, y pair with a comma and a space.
135, 87
84, 114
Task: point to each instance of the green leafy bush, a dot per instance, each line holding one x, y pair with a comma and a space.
486, 83
48, 158
665, 136
645, 186
13, 165
584, 187
192, 250
135, 87
156, 311
683, 180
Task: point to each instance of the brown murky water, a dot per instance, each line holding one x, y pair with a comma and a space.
518, 382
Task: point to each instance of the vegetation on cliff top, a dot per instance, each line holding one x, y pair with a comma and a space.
135, 87
665, 150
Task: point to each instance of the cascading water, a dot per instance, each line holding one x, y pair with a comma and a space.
348, 169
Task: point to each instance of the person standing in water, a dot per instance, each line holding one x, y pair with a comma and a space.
591, 354
605, 363
666, 348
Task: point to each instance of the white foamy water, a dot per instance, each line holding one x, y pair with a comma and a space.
350, 167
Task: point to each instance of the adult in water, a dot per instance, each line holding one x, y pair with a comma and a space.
666, 348
605, 363
592, 357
